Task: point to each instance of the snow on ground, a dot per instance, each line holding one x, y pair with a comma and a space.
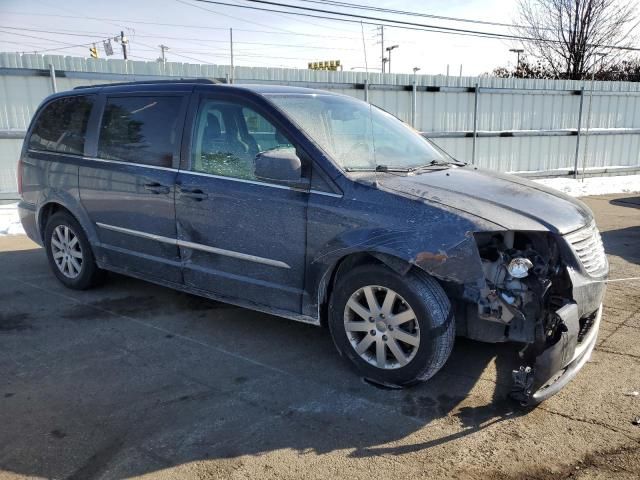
594, 185
9, 220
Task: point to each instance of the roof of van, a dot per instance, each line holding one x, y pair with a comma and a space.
185, 85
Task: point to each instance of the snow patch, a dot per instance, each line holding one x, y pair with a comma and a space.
9, 220
594, 185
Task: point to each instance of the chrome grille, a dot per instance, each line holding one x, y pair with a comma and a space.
586, 243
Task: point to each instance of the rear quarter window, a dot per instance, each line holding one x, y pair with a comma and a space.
62, 126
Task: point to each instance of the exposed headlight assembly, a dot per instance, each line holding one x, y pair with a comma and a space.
519, 267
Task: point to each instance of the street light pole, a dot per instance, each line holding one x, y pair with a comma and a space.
163, 49
389, 49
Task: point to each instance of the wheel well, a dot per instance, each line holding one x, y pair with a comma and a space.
346, 264
46, 212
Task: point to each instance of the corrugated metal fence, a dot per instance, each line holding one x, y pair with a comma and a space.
511, 125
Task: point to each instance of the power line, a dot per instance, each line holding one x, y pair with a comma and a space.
235, 18
370, 20
388, 22
413, 14
189, 26
75, 33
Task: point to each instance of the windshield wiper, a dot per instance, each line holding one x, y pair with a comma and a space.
387, 168
435, 164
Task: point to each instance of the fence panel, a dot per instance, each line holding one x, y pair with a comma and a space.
523, 125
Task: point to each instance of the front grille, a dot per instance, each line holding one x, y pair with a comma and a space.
586, 243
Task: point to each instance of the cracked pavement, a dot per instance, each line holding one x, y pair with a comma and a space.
133, 379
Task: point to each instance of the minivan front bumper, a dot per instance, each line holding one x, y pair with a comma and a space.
581, 356
534, 388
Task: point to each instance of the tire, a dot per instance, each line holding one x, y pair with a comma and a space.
433, 325
72, 261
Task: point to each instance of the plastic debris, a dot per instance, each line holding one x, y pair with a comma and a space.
635, 393
636, 421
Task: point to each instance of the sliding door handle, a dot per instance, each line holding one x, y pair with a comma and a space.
193, 193
157, 188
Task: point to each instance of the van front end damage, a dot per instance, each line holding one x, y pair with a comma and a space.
539, 290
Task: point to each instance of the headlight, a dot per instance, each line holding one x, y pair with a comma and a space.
519, 267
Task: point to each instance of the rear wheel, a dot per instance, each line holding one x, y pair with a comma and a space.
396, 330
69, 253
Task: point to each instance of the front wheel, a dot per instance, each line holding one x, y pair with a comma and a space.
396, 330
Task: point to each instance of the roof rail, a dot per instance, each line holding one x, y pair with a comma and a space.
152, 82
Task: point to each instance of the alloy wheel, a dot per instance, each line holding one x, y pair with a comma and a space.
66, 251
381, 327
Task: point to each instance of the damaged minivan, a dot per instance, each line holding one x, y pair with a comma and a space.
320, 208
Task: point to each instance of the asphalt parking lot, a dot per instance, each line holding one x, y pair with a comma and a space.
134, 379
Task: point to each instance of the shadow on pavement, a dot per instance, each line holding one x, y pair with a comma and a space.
137, 378
623, 243
632, 202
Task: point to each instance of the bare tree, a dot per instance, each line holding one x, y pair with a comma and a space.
570, 35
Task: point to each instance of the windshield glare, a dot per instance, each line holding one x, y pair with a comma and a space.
355, 135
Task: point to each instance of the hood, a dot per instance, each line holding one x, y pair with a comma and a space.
506, 200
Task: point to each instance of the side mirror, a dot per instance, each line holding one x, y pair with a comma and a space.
280, 165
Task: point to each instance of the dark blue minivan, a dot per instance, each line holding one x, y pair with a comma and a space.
320, 208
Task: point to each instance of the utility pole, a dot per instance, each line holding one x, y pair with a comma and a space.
163, 48
517, 51
381, 34
231, 43
124, 42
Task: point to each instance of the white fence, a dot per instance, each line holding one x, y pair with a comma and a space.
511, 125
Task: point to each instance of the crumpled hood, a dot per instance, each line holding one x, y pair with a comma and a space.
507, 200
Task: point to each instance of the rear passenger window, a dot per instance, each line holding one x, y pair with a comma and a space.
62, 126
140, 130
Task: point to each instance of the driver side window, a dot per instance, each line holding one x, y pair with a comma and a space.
227, 137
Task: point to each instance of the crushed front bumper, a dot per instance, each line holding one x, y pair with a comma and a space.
545, 379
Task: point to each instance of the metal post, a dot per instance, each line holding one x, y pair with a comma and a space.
414, 98
460, 70
447, 69
231, 41
575, 163
52, 74
366, 90
586, 140
382, 43
475, 123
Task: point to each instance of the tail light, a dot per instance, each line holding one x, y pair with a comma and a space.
20, 169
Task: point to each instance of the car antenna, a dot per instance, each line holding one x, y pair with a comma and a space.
366, 86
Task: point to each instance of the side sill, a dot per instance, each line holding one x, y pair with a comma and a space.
220, 298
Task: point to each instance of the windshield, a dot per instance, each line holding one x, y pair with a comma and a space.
356, 136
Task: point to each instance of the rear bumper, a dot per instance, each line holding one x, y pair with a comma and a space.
581, 355
27, 214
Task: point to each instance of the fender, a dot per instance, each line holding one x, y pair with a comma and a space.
66, 199
451, 258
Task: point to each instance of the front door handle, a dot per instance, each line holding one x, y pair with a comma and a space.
193, 193
157, 188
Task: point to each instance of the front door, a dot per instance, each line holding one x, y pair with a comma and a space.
240, 237
128, 185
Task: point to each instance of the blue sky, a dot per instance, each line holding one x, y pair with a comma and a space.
198, 32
